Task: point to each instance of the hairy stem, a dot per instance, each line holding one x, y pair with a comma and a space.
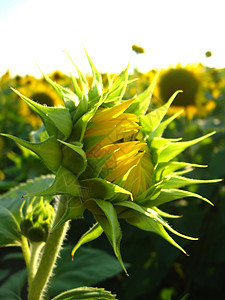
49, 255
26, 251
35, 249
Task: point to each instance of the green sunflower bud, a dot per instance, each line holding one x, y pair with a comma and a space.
37, 222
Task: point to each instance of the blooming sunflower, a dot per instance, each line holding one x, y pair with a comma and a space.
109, 157
191, 79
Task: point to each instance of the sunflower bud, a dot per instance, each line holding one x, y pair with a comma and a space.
36, 224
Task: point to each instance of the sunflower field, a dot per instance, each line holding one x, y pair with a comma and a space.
117, 148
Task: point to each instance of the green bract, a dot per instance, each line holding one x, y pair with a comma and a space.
108, 156
37, 222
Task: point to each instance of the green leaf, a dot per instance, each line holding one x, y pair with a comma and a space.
153, 215
54, 118
70, 100
163, 125
148, 224
94, 167
76, 162
84, 84
9, 229
12, 288
65, 183
117, 89
89, 267
171, 195
165, 168
96, 87
80, 126
151, 121
175, 182
88, 293
142, 101
111, 227
49, 150
99, 188
173, 149
93, 233
12, 200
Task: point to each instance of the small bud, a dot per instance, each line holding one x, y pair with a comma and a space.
37, 222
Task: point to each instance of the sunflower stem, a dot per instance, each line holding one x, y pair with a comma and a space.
35, 249
50, 253
26, 251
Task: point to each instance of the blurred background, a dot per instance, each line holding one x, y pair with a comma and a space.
183, 39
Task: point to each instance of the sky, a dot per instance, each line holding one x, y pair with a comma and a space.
38, 32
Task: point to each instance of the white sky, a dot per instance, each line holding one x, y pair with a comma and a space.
38, 31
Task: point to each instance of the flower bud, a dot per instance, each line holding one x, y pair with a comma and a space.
37, 222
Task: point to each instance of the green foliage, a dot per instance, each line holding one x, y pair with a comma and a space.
157, 268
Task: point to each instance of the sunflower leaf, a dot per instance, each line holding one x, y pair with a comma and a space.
54, 118
88, 293
99, 188
117, 89
171, 195
145, 223
175, 148
49, 150
175, 182
151, 121
93, 233
96, 87
65, 183
111, 227
70, 99
142, 101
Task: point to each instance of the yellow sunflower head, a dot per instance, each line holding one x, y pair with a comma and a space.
191, 80
108, 156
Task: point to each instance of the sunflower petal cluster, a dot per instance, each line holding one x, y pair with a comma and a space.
108, 156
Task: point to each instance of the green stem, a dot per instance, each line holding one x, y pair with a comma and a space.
49, 256
26, 250
35, 248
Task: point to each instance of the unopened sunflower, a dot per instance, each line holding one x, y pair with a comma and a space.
109, 157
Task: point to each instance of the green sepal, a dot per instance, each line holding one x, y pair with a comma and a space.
74, 157
171, 195
165, 214
54, 118
93, 233
88, 293
81, 109
116, 90
165, 168
80, 126
74, 210
70, 99
148, 224
99, 188
49, 150
65, 183
151, 213
141, 103
151, 121
110, 224
176, 182
175, 148
94, 167
163, 125
83, 82
96, 87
